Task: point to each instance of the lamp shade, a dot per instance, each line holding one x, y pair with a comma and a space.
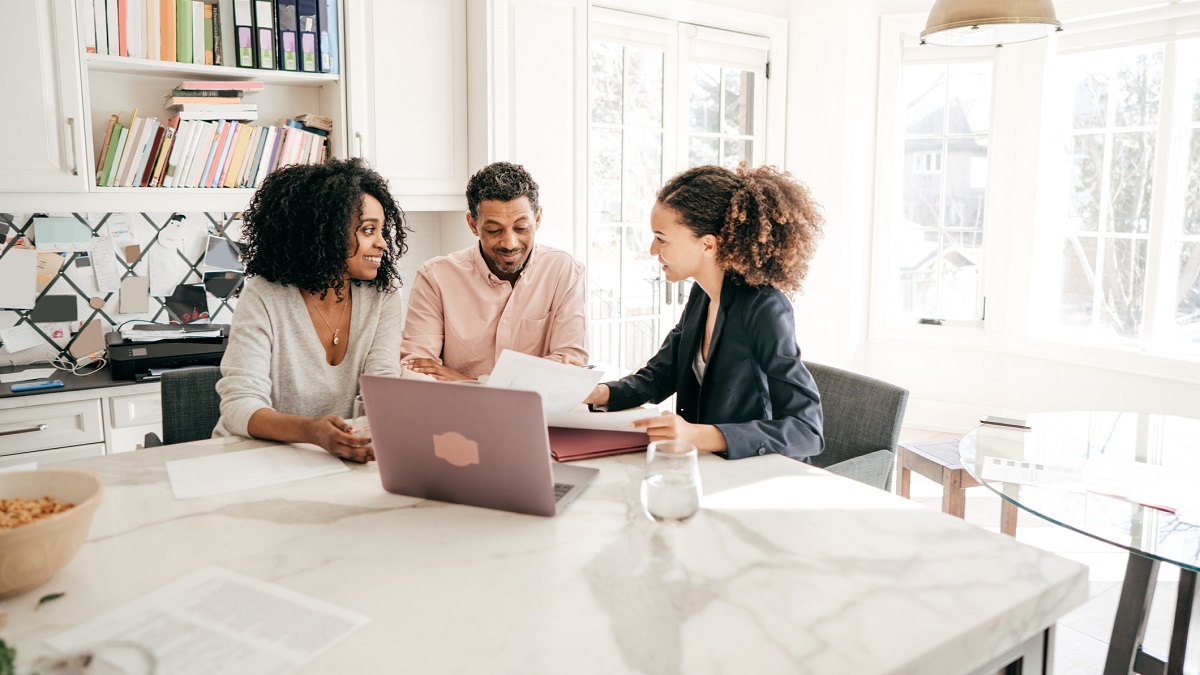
976, 23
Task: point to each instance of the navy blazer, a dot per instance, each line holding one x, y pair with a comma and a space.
756, 389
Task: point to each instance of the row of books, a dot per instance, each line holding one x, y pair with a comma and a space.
299, 35
202, 153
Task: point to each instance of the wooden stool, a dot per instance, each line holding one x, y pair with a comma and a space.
940, 463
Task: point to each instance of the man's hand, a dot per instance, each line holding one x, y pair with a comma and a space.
335, 435
671, 427
435, 370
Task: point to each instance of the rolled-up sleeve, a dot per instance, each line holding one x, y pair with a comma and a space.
245, 384
425, 325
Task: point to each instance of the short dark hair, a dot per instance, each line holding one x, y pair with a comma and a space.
502, 182
298, 224
765, 222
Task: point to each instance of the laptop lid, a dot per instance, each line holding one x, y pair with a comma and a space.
461, 443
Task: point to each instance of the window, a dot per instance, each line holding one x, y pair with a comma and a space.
1129, 118
937, 262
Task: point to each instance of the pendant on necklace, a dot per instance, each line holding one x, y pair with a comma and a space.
335, 336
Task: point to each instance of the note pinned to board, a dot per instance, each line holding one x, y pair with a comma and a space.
61, 235
561, 386
18, 279
48, 265
104, 264
20, 337
135, 295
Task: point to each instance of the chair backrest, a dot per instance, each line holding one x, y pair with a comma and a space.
190, 404
862, 415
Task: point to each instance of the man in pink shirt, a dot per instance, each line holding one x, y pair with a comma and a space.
503, 293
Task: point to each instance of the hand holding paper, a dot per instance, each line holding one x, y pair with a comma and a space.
562, 387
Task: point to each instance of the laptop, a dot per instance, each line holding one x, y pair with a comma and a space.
467, 444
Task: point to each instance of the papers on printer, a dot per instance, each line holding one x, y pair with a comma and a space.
167, 333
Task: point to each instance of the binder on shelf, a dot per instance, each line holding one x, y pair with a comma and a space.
243, 26
308, 35
166, 30
327, 26
183, 31
112, 123
264, 34
198, 32
100, 17
288, 28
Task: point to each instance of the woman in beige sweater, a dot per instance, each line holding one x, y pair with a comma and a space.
320, 308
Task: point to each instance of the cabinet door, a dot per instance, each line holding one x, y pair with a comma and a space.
41, 139
407, 81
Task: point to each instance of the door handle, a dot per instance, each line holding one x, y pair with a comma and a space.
667, 292
74, 147
681, 295
358, 135
30, 430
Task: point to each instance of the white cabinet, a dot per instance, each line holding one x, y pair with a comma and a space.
78, 423
527, 96
41, 139
406, 71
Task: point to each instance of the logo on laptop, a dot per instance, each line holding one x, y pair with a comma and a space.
456, 449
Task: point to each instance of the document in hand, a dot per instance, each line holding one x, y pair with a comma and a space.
562, 387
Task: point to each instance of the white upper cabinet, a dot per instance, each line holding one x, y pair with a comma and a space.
41, 138
406, 74
527, 95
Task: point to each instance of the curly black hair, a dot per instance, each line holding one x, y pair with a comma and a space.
299, 222
502, 182
765, 222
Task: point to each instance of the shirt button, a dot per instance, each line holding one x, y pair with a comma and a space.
762, 450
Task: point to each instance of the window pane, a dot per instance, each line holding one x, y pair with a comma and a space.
1139, 85
966, 181
1090, 89
1124, 286
1079, 265
641, 296
643, 173
1191, 200
604, 184
922, 189
604, 265
704, 97
1187, 307
736, 150
702, 150
1132, 179
739, 102
917, 252
641, 341
924, 98
606, 80
959, 270
1088, 157
644, 87
969, 109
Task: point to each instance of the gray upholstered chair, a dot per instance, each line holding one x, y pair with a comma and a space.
190, 405
862, 418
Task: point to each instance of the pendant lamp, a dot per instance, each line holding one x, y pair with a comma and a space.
978, 23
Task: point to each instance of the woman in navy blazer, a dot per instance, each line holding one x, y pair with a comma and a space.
746, 238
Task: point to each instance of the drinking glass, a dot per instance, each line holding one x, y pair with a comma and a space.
671, 487
359, 421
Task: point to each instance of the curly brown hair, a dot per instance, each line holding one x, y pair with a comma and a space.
766, 222
502, 182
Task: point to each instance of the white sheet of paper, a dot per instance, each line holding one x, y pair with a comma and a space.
581, 418
211, 631
19, 337
104, 264
561, 386
120, 229
218, 474
28, 374
31, 466
18, 278
166, 270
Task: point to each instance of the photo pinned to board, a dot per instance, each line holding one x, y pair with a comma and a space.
223, 284
221, 255
188, 304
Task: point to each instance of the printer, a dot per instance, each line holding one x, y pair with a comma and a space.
132, 354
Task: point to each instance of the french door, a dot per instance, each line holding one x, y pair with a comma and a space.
663, 96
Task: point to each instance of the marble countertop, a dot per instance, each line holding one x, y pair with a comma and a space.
787, 568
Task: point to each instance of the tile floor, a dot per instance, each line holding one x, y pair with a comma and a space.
1081, 637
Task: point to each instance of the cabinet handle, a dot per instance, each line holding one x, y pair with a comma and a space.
359, 136
40, 427
74, 149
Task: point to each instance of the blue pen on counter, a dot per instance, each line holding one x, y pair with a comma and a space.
36, 385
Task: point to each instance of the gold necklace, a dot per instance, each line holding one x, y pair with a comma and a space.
321, 314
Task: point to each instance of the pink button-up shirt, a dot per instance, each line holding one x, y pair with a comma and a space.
462, 315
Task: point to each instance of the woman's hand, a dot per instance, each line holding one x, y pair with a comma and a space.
336, 435
599, 396
435, 370
671, 427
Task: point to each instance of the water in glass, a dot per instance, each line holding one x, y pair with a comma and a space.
671, 486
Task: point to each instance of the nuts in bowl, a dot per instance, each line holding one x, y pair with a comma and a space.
44, 518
